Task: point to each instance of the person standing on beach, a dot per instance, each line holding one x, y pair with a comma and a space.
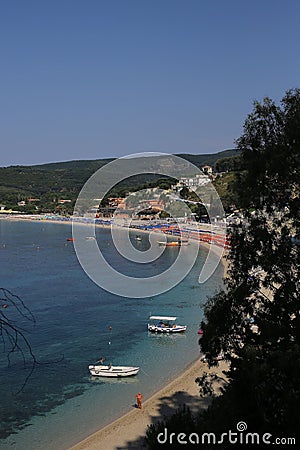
139, 398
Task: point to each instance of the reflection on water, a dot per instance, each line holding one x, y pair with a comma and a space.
167, 339
113, 381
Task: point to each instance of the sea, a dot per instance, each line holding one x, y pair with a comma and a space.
75, 323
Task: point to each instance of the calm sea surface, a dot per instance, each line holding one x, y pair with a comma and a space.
60, 403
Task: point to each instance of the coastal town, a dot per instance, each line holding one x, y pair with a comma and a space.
143, 202
149, 225
146, 210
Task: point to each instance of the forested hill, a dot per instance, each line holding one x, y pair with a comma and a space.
67, 178
199, 160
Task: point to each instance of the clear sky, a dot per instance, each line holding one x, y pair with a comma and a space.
86, 79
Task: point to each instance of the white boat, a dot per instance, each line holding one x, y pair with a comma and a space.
112, 371
165, 324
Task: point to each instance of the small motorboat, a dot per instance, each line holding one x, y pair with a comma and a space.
138, 238
112, 371
178, 243
162, 324
70, 239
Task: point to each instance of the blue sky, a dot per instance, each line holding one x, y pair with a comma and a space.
93, 79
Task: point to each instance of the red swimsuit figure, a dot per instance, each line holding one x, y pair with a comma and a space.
139, 398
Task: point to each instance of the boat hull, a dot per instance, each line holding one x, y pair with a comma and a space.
173, 244
159, 329
113, 371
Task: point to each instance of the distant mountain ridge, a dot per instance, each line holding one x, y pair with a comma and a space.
202, 159
209, 159
65, 179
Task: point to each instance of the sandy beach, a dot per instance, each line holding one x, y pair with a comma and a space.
128, 431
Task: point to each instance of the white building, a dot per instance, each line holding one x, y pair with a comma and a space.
195, 181
207, 170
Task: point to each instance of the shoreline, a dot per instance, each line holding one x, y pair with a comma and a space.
128, 431
181, 388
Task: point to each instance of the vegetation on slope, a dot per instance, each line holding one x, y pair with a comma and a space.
64, 180
255, 322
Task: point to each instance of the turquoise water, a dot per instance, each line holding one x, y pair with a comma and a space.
60, 403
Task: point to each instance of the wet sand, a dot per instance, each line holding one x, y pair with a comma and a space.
128, 431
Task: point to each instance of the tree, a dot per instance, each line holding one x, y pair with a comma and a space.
12, 311
255, 320
229, 164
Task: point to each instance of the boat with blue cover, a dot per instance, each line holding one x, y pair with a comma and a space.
165, 324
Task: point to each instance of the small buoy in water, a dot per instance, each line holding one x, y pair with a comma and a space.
200, 331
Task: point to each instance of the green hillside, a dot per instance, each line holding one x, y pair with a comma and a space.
54, 181
209, 159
